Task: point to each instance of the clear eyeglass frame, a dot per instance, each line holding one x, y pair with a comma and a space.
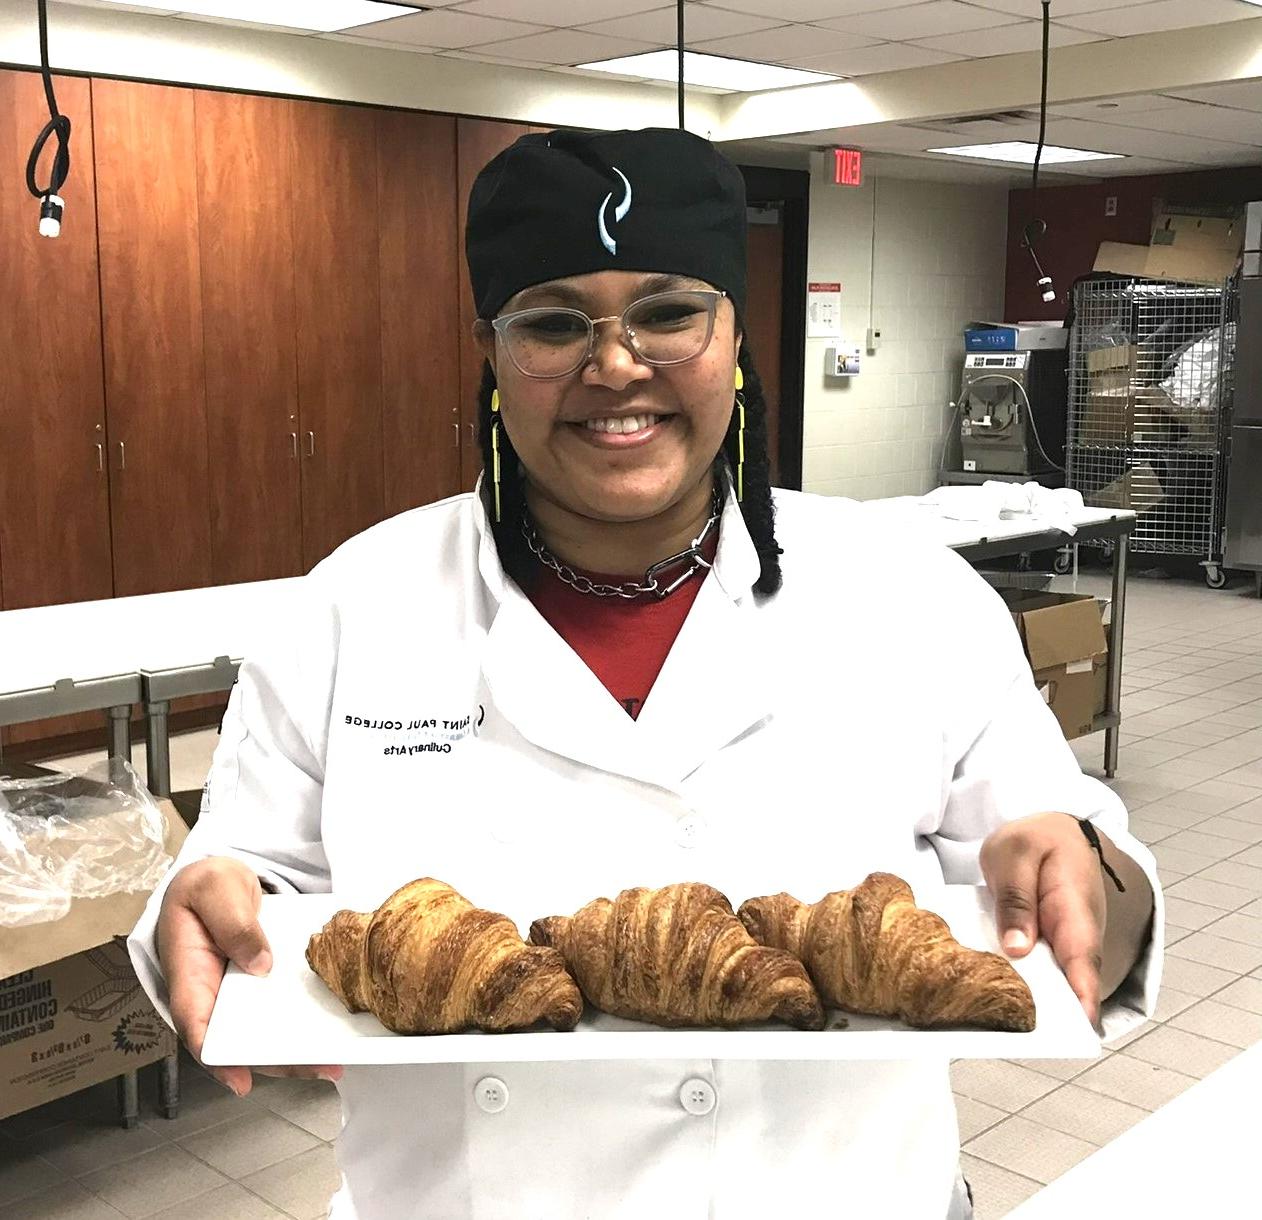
505, 322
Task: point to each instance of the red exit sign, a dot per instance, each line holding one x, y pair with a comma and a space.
847, 167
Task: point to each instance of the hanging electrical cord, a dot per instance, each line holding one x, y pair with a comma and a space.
51, 203
1036, 227
679, 47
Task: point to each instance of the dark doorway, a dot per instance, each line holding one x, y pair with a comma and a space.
779, 211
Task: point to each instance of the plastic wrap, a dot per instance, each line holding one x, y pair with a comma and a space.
70, 836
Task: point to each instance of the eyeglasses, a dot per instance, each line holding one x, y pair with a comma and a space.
665, 328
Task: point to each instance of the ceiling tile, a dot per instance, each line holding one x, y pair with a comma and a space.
1106, 109
1007, 39
443, 28
1060, 8
567, 47
1243, 95
563, 13
781, 43
377, 42
1197, 119
1108, 137
797, 10
701, 21
920, 21
1161, 15
109, 6
883, 57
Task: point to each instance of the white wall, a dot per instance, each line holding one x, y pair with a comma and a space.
939, 263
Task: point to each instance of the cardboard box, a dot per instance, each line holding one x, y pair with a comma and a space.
72, 1012
1063, 635
1120, 408
1191, 249
1139, 490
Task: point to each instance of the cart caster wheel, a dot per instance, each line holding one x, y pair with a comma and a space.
1062, 563
1215, 577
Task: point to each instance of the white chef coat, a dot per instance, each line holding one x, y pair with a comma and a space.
417, 716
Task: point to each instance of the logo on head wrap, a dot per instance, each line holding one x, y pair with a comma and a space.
618, 213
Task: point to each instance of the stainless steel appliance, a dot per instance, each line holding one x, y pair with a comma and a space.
1012, 411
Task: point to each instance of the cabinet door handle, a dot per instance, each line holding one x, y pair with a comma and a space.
293, 438
311, 444
457, 428
122, 455
473, 434
100, 457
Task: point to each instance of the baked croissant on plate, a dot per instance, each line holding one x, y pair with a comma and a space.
427, 961
872, 950
678, 956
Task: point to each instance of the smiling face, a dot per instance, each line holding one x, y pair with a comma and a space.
619, 439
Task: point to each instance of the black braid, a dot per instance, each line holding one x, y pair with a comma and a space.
757, 507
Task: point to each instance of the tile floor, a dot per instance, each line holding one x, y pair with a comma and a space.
1191, 773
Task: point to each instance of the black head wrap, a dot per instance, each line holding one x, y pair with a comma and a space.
572, 202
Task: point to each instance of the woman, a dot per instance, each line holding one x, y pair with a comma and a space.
614, 665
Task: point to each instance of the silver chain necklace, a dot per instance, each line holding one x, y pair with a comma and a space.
630, 589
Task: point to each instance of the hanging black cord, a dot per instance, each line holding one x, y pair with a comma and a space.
679, 47
1037, 227
58, 125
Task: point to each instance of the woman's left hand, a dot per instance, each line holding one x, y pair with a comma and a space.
1047, 882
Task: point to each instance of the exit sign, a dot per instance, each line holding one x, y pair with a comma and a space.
847, 167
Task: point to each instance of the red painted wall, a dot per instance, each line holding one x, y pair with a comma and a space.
1076, 225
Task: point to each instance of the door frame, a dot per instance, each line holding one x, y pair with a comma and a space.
790, 188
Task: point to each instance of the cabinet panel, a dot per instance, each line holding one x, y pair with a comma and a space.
245, 226
54, 490
420, 329
333, 158
478, 141
151, 303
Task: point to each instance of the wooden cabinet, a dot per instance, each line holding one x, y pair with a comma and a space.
151, 317
420, 285
333, 157
54, 488
245, 219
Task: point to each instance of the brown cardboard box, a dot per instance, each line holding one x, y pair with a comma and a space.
1192, 249
1065, 644
72, 1012
1139, 490
1119, 407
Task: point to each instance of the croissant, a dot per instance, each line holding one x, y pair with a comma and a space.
872, 950
678, 956
428, 961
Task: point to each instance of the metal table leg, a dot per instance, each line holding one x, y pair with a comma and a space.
1113, 705
128, 1099
119, 720
169, 1086
158, 740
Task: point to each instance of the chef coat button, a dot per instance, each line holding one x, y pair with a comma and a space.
690, 830
697, 1096
491, 1094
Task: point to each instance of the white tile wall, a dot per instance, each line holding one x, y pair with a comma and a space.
937, 262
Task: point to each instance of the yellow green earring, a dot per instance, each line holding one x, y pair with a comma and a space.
740, 436
495, 450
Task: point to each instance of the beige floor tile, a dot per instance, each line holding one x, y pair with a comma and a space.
1211, 950
23, 1171
315, 1107
1026, 1147
302, 1185
1250, 775
1171, 1002
1170, 855
1169, 877
1126, 1039
1181, 1051
975, 1116
1134, 1081
1061, 1069
1222, 1022
153, 1180
1149, 832
231, 1202
1228, 827
1253, 909
1182, 810
1251, 856
204, 1102
1236, 872
1196, 734
66, 1201
77, 1148
1089, 1116
247, 1144
1190, 915
1196, 842
1238, 926
1211, 893
996, 1191
1244, 993
1009, 1086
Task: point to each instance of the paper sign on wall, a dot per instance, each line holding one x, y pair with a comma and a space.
823, 311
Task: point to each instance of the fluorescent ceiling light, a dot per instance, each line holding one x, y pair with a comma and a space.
708, 71
1022, 152
324, 16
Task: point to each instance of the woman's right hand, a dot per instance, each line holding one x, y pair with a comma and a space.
209, 917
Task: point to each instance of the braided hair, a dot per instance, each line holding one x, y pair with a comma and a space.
756, 507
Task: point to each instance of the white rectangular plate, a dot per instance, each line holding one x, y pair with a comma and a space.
291, 1017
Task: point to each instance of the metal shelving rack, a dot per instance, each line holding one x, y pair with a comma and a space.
1150, 409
